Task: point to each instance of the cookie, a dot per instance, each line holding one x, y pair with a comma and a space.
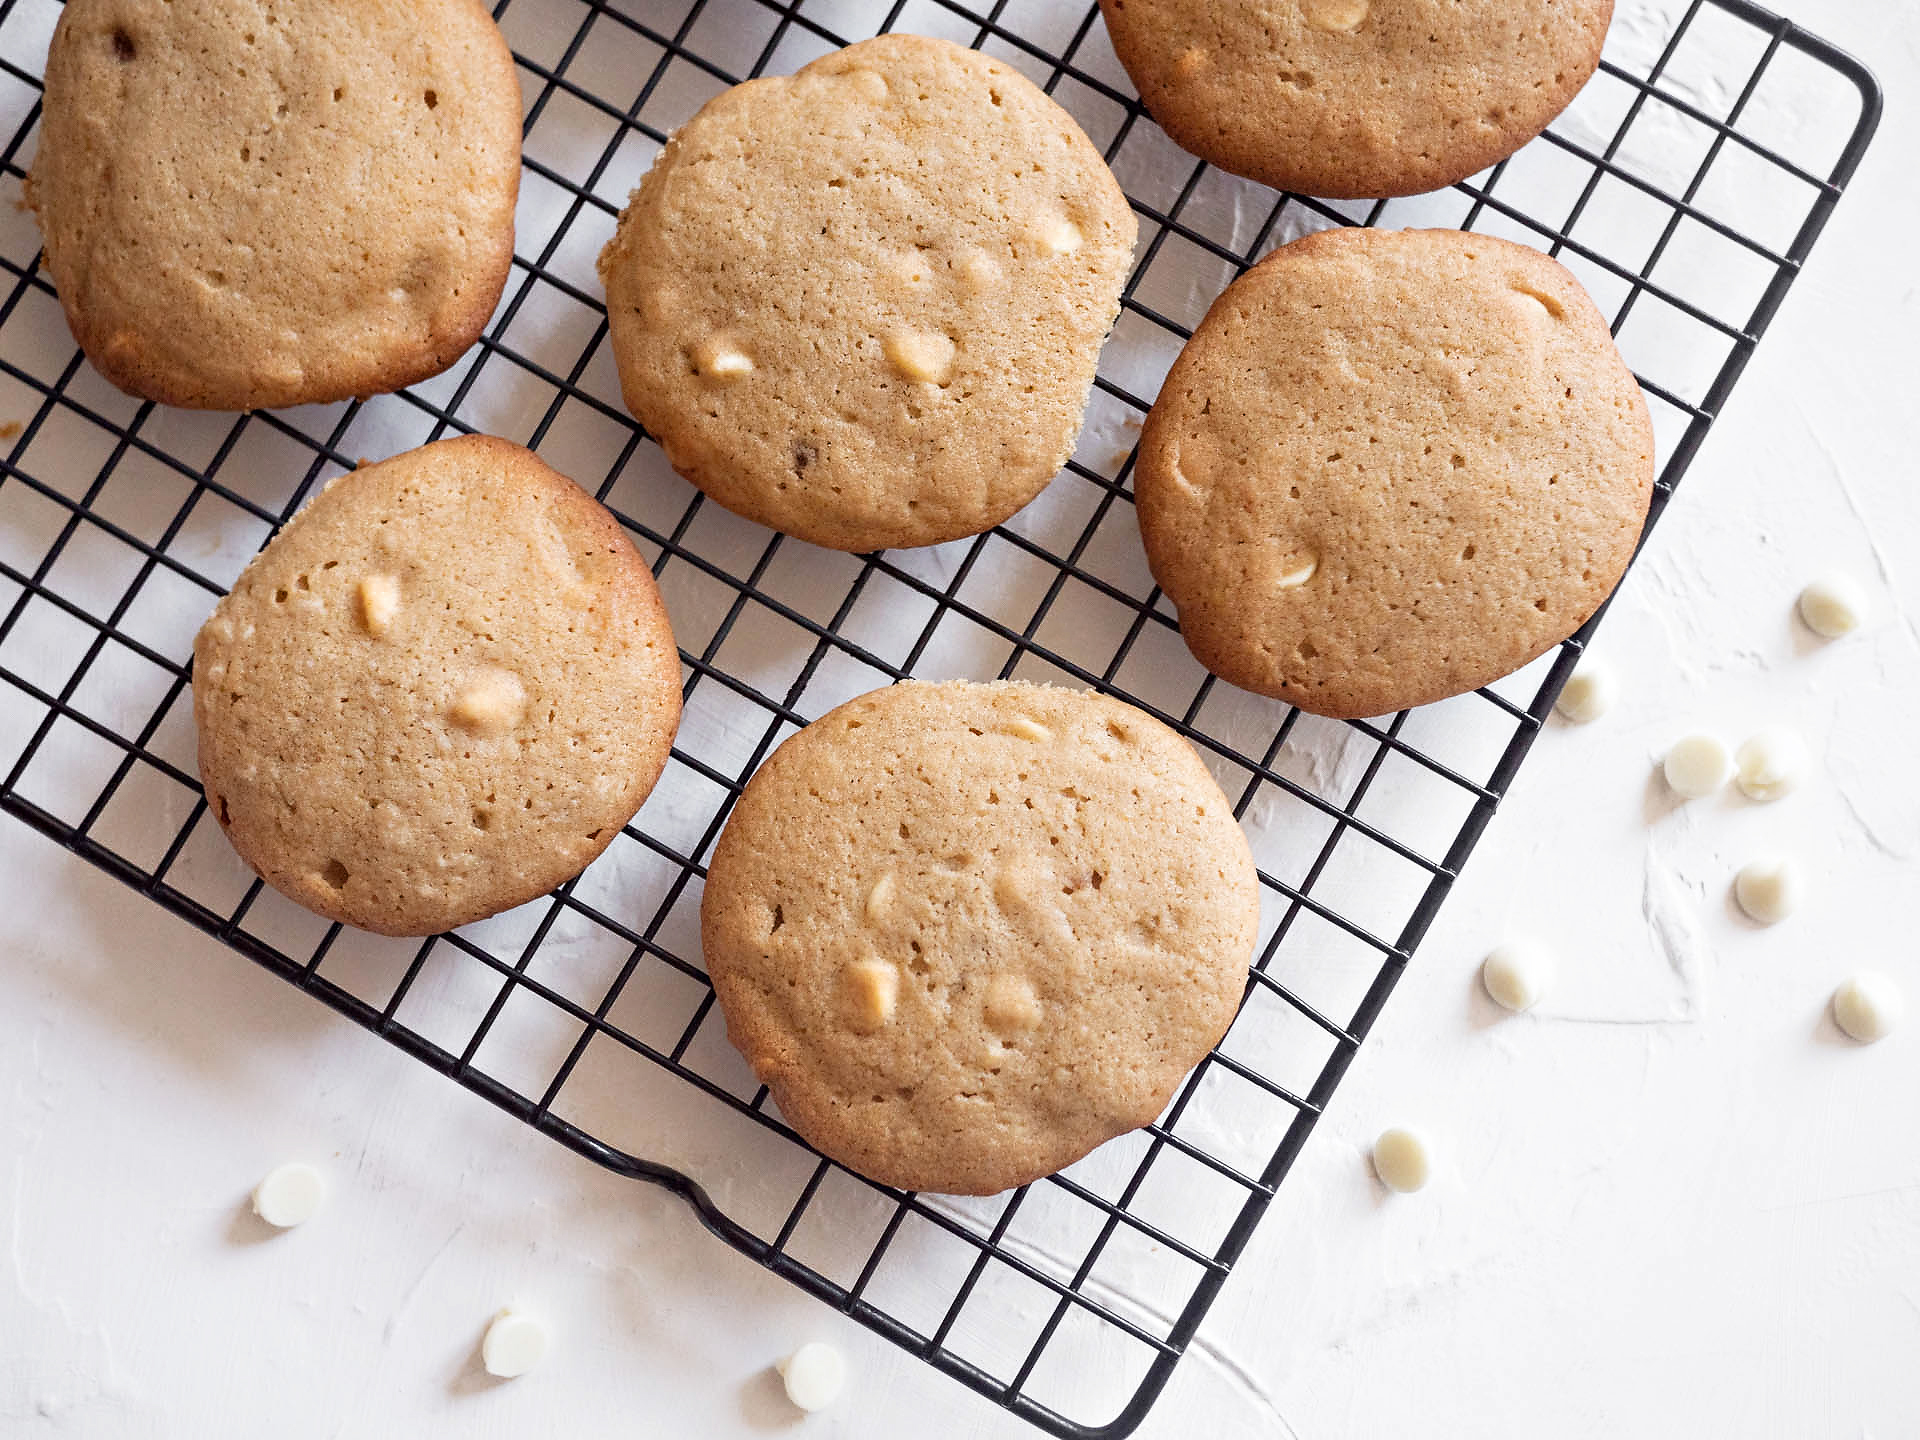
1350, 98
438, 693
1390, 467
247, 206
863, 304
965, 933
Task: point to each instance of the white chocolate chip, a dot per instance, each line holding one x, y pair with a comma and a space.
880, 898
1698, 766
1335, 16
1301, 572
1768, 890
491, 704
515, 1343
290, 1195
379, 601
980, 270
1772, 763
1057, 235
873, 987
1011, 1003
1023, 728
1833, 605
1517, 974
1590, 692
719, 360
1403, 1159
814, 1375
921, 355
1869, 1006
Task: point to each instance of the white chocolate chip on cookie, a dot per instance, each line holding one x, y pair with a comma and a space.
921, 355
1057, 235
1022, 727
1011, 1004
719, 360
1335, 16
378, 598
880, 898
1299, 572
873, 988
492, 703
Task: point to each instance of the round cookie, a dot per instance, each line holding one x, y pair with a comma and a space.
965, 933
863, 304
1390, 467
1352, 98
438, 693
247, 207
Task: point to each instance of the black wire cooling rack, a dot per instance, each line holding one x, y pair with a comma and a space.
1685, 187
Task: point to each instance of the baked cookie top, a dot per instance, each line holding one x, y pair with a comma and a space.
862, 304
1390, 467
965, 933
439, 692
252, 206
1357, 97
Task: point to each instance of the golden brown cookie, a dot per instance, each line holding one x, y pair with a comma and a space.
1357, 97
863, 304
965, 933
438, 693
248, 205
1390, 467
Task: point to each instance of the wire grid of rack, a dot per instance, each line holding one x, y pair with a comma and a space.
1685, 188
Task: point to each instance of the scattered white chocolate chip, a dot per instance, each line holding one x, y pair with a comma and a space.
1057, 235
290, 1195
1590, 692
880, 897
1022, 727
1517, 974
1772, 763
1402, 1159
492, 703
379, 602
921, 355
1299, 574
1768, 890
1335, 16
1698, 766
873, 987
814, 1375
1869, 1006
721, 361
980, 270
1833, 605
515, 1343
1011, 1003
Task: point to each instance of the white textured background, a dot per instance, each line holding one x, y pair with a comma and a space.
1674, 1203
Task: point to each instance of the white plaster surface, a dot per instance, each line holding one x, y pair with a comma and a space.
1673, 1201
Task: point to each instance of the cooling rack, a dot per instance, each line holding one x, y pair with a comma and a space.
1685, 187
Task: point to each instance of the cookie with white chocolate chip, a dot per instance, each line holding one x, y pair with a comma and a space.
863, 304
966, 933
1352, 98
439, 692
288, 204
1391, 467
